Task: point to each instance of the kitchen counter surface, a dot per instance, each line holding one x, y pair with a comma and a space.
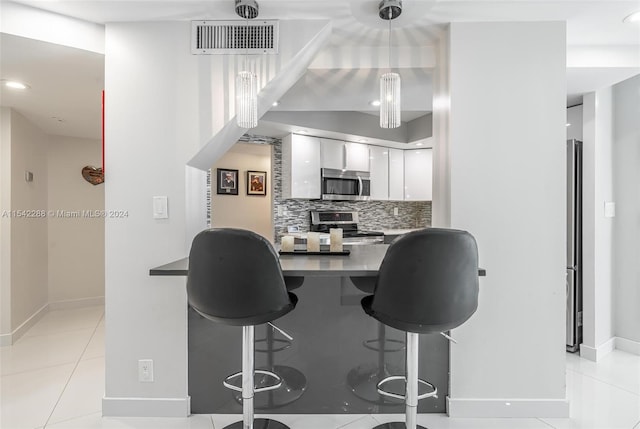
364, 261
399, 231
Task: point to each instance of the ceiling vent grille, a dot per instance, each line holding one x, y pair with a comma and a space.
234, 37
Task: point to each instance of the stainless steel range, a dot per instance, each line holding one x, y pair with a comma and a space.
322, 221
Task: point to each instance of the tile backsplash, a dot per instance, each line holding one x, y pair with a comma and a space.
374, 215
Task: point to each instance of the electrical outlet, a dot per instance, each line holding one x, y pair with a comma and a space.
395, 211
145, 370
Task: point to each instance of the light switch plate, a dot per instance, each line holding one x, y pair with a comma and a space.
609, 209
160, 208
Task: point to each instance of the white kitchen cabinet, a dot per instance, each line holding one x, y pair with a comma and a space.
332, 154
418, 167
343, 155
396, 174
357, 157
379, 168
300, 167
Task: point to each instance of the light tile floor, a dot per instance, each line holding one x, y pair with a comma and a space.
53, 377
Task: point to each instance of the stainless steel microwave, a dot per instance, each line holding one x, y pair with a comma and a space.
343, 185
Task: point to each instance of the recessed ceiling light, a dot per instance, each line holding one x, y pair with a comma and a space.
567, 124
275, 104
301, 131
362, 140
14, 84
375, 103
419, 144
634, 17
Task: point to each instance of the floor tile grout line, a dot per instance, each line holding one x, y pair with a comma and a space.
72, 372
72, 418
546, 423
57, 332
352, 422
609, 384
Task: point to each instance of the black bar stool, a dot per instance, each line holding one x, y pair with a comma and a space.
235, 278
428, 283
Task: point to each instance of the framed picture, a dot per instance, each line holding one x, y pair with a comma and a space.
256, 183
227, 181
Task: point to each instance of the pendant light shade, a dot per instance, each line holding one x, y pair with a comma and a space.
247, 81
390, 100
247, 99
390, 82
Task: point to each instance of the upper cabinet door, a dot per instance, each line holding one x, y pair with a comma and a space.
418, 167
357, 156
379, 172
300, 167
332, 154
396, 174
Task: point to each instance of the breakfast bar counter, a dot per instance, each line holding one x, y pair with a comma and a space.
364, 261
337, 355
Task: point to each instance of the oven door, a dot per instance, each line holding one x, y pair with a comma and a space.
345, 185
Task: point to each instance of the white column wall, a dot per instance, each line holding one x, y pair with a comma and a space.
507, 169
598, 333
152, 124
626, 194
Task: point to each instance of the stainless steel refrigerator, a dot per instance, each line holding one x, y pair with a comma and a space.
574, 245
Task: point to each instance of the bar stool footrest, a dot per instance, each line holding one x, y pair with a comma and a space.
395, 425
432, 393
399, 345
277, 381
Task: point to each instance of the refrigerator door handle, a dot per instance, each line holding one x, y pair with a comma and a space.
574, 268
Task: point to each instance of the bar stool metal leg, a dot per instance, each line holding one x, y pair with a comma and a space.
248, 359
248, 388
411, 396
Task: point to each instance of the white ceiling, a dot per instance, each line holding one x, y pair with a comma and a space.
66, 82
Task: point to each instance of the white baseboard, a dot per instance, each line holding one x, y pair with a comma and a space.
628, 346
597, 353
499, 408
9, 339
146, 407
76, 303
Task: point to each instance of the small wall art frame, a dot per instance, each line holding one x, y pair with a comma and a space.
227, 181
257, 183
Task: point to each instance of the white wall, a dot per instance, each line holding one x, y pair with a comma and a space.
598, 330
28, 280
5, 225
626, 183
76, 245
252, 212
507, 155
152, 123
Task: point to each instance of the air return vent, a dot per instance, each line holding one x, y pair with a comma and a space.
234, 37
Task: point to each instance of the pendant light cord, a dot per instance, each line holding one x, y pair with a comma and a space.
246, 38
390, 18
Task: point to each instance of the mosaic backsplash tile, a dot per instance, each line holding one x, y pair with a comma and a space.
374, 215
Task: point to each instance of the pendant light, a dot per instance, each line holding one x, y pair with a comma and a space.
390, 82
247, 81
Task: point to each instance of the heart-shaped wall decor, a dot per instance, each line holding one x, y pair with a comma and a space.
93, 175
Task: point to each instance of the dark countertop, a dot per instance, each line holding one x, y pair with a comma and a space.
364, 261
